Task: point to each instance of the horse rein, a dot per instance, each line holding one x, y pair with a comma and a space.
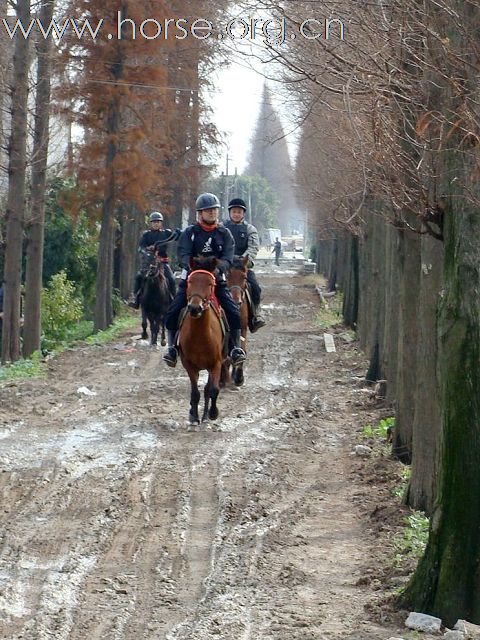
205, 300
240, 288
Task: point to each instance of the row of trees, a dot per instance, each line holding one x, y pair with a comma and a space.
143, 124
388, 164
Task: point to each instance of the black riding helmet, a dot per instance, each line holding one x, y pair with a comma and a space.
237, 202
207, 201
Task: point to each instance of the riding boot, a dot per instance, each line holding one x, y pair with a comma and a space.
171, 355
135, 301
257, 322
237, 355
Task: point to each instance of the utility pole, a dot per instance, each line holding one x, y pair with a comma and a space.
227, 186
249, 202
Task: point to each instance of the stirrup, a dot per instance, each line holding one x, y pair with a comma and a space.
237, 355
171, 356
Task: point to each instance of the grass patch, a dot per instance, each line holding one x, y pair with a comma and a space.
405, 474
409, 545
330, 315
381, 430
33, 367
118, 327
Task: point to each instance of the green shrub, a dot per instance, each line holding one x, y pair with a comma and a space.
61, 310
31, 368
381, 430
411, 542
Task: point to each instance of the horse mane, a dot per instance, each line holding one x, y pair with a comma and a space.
206, 263
238, 264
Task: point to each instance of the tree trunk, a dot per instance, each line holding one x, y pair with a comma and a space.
350, 300
16, 193
4, 73
371, 296
103, 314
132, 222
34, 267
332, 264
390, 330
408, 307
447, 581
427, 421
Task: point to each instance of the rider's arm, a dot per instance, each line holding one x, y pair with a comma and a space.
143, 243
184, 247
171, 235
253, 242
226, 259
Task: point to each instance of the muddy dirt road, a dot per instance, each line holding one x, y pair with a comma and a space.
118, 521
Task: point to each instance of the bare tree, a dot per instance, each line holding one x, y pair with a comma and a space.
36, 219
16, 192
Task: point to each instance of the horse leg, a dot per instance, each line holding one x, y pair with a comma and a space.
237, 374
225, 379
163, 341
214, 376
144, 325
153, 330
206, 397
194, 396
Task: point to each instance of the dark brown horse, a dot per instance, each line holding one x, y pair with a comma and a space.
201, 337
237, 284
154, 302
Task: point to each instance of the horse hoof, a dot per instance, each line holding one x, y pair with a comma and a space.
213, 415
163, 343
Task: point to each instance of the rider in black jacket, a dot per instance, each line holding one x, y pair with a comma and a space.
147, 246
206, 238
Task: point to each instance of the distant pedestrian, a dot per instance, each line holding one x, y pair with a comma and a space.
277, 249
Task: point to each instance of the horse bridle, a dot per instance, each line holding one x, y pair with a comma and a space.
205, 300
154, 269
240, 288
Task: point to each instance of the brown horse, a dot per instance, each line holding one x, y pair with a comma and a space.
201, 337
237, 284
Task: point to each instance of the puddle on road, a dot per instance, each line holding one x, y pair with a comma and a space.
272, 305
80, 450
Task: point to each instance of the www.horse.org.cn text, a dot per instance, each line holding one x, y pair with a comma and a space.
269, 31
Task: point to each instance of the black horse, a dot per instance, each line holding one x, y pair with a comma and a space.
154, 302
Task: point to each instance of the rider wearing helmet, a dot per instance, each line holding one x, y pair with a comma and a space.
246, 245
147, 247
206, 238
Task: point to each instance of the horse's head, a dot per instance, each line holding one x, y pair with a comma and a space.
203, 263
155, 269
200, 285
237, 279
